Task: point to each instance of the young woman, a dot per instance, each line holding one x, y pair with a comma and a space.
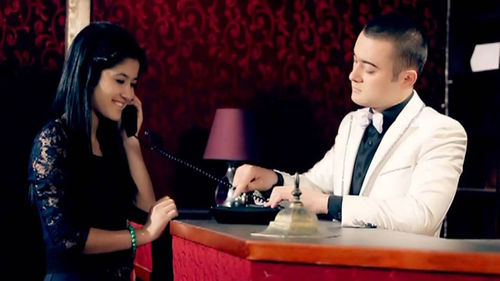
86, 176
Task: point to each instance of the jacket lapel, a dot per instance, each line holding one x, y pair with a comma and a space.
356, 130
402, 123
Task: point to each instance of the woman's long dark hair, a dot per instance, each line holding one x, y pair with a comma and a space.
98, 46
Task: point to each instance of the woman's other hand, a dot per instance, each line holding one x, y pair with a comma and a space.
162, 212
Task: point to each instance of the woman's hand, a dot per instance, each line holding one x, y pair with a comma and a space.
162, 212
140, 118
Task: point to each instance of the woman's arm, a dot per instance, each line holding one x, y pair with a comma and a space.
145, 195
105, 241
47, 178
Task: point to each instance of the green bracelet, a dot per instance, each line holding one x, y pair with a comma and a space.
132, 237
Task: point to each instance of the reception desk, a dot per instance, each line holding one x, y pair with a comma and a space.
207, 250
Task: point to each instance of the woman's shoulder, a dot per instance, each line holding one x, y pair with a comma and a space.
52, 134
49, 149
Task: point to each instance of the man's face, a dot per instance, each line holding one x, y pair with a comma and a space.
372, 80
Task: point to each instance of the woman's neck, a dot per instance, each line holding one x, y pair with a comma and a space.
96, 148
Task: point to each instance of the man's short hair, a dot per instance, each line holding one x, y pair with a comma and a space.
409, 42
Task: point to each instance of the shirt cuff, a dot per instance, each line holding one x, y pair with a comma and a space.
335, 207
280, 182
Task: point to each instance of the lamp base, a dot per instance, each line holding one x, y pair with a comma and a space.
224, 192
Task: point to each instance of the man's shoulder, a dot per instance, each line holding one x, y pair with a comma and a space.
348, 117
430, 119
430, 114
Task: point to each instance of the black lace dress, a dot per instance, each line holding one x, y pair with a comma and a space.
73, 194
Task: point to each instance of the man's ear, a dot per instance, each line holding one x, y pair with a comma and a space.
409, 77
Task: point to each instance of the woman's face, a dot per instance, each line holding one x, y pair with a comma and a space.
115, 89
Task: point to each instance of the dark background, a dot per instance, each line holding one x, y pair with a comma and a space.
475, 101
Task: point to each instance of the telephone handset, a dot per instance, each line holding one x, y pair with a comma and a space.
129, 120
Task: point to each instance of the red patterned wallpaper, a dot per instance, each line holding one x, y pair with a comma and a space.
31, 57
288, 60
32, 34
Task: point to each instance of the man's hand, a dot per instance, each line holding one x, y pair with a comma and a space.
248, 178
313, 200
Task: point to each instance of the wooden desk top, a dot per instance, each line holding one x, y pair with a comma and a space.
347, 247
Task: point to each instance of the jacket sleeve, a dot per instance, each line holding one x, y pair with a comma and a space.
321, 175
47, 182
433, 183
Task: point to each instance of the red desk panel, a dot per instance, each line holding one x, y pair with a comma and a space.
206, 250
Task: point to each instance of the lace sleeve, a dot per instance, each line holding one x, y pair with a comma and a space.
46, 178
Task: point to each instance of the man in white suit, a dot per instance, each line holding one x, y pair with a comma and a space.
396, 163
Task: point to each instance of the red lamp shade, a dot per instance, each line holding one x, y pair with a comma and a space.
232, 136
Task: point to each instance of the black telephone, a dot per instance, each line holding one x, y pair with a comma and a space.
245, 212
129, 120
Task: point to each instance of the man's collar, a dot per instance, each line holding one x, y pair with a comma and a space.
391, 113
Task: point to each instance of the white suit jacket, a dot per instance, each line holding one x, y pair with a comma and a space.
412, 178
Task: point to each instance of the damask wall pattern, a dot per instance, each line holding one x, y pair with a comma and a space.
209, 54
31, 58
32, 34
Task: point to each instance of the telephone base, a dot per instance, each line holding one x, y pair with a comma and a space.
244, 214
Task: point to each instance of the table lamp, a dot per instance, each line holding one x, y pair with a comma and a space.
232, 139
